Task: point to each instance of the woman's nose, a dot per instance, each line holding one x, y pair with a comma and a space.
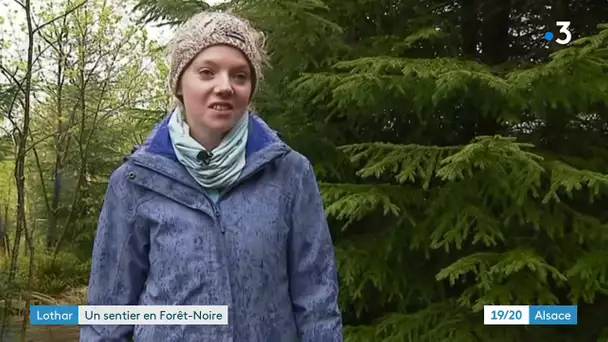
223, 85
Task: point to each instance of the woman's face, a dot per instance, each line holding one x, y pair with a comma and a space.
216, 88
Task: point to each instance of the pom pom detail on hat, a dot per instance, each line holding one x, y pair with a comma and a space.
206, 29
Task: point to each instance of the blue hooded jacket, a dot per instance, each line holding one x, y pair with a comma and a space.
263, 249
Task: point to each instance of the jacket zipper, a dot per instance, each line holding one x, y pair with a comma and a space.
218, 218
216, 210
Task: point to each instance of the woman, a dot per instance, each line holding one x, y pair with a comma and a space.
215, 209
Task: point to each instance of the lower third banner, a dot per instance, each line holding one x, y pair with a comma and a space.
530, 315
128, 315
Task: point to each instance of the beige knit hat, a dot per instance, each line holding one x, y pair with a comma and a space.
212, 28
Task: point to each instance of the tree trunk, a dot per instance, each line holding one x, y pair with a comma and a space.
20, 159
495, 37
495, 41
469, 28
2, 232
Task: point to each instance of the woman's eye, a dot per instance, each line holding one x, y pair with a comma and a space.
242, 77
206, 72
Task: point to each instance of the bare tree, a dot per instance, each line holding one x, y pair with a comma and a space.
24, 87
96, 74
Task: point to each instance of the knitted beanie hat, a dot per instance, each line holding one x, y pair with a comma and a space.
206, 29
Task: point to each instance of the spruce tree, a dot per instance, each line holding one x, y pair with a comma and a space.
466, 197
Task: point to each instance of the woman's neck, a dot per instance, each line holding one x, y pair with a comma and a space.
209, 139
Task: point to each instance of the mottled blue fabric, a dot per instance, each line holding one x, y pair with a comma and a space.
263, 248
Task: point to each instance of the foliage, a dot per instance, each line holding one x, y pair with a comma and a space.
52, 275
92, 69
497, 221
105, 69
169, 12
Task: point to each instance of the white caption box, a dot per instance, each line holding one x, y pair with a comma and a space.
506, 315
153, 315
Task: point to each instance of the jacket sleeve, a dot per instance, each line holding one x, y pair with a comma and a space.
119, 264
312, 266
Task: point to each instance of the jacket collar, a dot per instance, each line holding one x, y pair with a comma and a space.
156, 154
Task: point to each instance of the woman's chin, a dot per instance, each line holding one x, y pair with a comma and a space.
219, 115
221, 126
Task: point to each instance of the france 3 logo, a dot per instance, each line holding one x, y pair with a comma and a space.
564, 35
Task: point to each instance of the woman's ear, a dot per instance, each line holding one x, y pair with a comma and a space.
179, 96
177, 103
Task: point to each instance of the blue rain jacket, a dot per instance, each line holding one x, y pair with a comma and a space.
263, 249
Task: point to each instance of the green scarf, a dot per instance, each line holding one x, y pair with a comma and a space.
227, 161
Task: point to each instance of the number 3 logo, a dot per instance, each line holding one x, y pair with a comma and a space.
564, 29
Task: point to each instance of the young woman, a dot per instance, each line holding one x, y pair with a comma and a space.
214, 209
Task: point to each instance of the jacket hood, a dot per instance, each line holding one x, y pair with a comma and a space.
263, 146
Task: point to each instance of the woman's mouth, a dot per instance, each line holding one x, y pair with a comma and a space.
221, 107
